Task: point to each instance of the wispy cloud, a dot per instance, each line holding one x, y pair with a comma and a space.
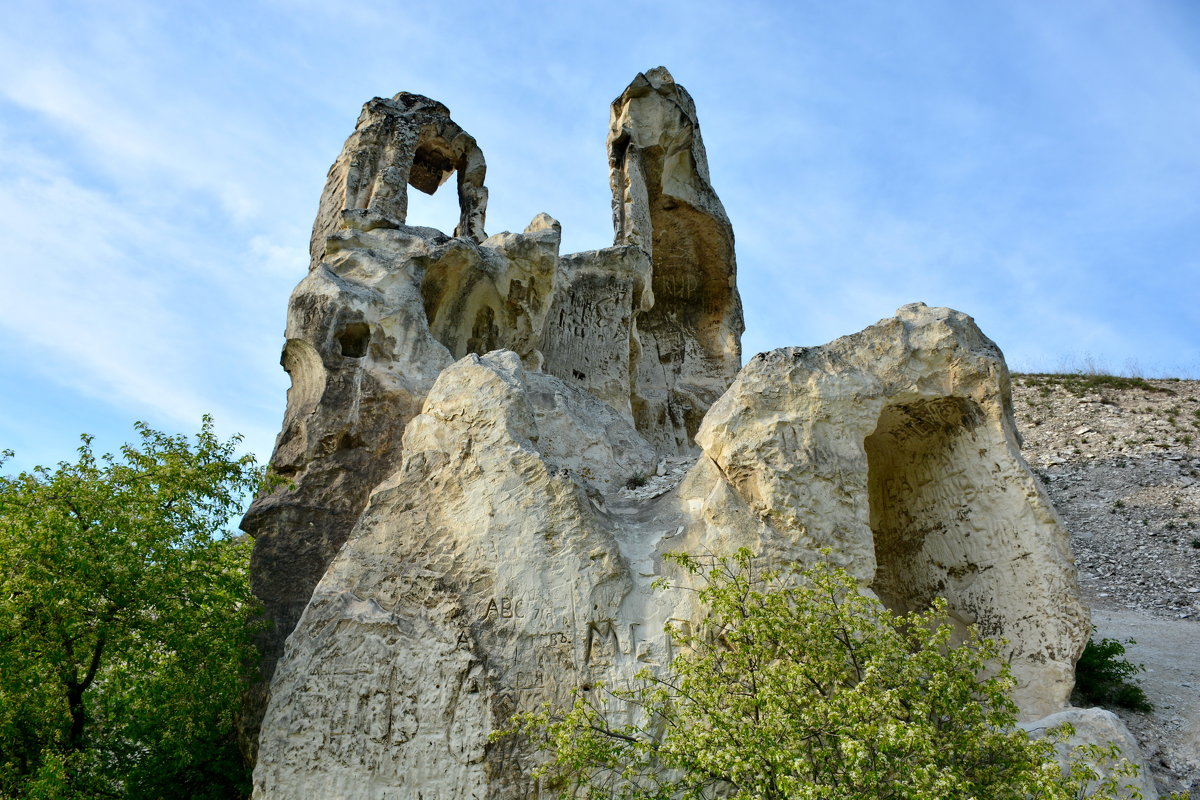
1033, 164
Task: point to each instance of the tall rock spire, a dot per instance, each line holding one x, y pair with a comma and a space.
664, 203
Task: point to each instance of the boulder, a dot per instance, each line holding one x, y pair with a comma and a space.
895, 449
480, 580
1096, 727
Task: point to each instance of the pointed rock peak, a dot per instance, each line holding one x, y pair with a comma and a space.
658, 80
659, 76
543, 222
664, 204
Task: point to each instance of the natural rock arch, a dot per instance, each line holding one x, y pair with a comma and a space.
408, 140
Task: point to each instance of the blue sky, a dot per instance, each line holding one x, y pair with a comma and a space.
1034, 164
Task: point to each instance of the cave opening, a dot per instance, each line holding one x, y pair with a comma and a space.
920, 492
353, 339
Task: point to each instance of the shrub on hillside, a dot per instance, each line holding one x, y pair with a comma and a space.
1104, 677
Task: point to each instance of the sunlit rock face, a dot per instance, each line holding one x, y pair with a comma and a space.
456, 542
384, 309
663, 202
895, 448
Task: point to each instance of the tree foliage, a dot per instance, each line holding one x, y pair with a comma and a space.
123, 610
799, 686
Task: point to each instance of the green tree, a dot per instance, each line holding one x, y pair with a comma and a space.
798, 686
124, 603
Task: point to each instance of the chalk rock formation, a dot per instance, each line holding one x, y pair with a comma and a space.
456, 544
409, 140
664, 203
896, 449
591, 337
464, 594
369, 330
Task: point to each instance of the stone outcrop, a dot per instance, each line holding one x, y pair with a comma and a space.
408, 140
895, 448
369, 330
456, 543
664, 203
467, 592
591, 338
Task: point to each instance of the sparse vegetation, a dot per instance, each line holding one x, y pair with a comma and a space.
636, 481
1080, 383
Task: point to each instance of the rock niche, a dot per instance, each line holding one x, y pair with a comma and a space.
457, 541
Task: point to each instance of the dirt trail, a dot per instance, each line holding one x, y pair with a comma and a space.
1170, 651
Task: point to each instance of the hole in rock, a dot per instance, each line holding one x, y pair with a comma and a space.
921, 459
439, 210
432, 165
353, 339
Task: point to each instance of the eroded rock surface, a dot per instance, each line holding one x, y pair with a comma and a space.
408, 140
664, 203
1097, 727
369, 330
895, 448
591, 336
480, 576
491, 448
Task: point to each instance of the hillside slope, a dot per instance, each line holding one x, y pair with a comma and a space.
1120, 459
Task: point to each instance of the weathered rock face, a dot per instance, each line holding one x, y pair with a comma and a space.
896, 449
497, 567
664, 203
591, 336
1095, 726
464, 412
369, 330
465, 593
409, 140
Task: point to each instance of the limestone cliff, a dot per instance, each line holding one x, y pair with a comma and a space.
456, 544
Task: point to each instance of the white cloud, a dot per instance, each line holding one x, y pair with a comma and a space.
160, 165
112, 301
